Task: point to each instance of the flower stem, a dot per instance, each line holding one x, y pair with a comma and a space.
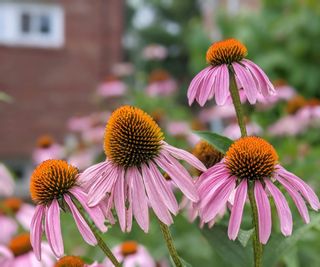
103, 246
170, 245
257, 246
234, 92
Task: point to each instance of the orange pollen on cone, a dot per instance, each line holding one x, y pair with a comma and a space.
251, 158
129, 248
51, 179
226, 52
20, 244
132, 137
45, 141
70, 261
207, 154
10, 205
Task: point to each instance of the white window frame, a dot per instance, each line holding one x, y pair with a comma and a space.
10, 25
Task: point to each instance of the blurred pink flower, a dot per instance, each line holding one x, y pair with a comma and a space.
289, 125
83, 158
182, 129
7, 184
214, 80
54, 182
130, 178
81, 124
122, 69
232, 131
217, 112
9, 228
231, 175
112, 88
18, 253
93, 135
161, 83
154, 52
132, 254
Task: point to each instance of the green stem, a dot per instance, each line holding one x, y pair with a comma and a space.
234, 92
104, 247
170, 245
257, 246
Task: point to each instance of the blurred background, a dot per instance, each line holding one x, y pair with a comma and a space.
66, 64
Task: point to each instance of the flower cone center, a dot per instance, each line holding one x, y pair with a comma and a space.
207, 154
20, 244
132, 137
129, 248
159, 75
70, 261
51, 179
226, 52
251, 158
45, 141
10, 205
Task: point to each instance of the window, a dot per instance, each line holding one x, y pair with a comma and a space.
40, 25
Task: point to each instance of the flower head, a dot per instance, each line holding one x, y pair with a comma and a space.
227, 58
161, 84
132, 254
130, 178
252, 160
54, 182
74, 261
18, 252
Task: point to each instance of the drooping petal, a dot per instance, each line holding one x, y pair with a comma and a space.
222, 85
282, 206
140, 200
178, 174
237, 210
155, 200
128, 187
207, 89
164, 189
83, 227
300, 186
36, 230
184, 155
264, 212
91, 174
297, 199
95, 213
119, 200
53, 228
218, 200
247, 82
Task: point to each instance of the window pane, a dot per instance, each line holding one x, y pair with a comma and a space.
45, 24
25, 23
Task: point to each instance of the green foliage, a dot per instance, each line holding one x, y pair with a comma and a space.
220, 142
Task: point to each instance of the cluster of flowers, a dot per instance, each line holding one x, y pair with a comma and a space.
132, 179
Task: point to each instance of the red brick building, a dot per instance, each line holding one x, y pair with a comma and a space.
52, 56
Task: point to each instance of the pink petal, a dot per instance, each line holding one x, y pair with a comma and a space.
264, 212
218, 200
36, 230
246, 81
119, 200
194, 85
184, 155
53, 228
83, 227
178, 174
207, 89
237, 209
300, 186
93, 173
95, 213
282, 206
140, 200
297, 199
155, 200
128, 186
222, 85
164, 189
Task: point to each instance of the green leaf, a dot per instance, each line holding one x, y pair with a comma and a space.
220, 142
244, 236
232, 252
184, 263
279, 245
5, 97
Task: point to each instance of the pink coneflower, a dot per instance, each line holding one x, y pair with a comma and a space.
253, 160
232, 131
154, 52
9, 228
130, 178
225, 57
47, 148
290, 125
19, 252
161, 84
112, 87
182, 129
7, 184
54, 184
75, 261
132, 254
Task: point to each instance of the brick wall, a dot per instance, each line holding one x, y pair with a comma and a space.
50, 85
